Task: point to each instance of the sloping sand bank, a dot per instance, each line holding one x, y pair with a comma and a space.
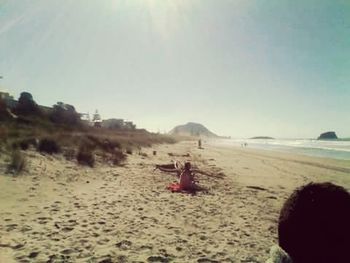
60, 212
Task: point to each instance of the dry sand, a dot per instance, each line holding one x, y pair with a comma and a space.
58, 211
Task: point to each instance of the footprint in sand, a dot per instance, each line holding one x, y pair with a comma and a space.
85, 254
58, 258
67, 229
103, 241
33, 254
145, 247
158, 259
107, 230
11, 227
124, 244
207, 260
67, 251
108, 260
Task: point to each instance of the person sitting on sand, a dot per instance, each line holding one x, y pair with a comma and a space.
187, 182
314, 226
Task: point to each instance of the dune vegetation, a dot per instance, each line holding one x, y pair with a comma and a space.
60, 130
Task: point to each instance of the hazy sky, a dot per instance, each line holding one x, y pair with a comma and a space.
240, 67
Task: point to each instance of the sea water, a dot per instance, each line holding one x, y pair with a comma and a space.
336, 149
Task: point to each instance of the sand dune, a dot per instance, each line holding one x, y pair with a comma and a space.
60, 212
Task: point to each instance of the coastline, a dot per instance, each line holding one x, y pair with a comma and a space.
330, 149
60, 211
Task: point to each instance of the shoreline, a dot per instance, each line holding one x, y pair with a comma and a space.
317, 152
58, 210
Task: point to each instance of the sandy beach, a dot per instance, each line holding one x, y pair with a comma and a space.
57, 211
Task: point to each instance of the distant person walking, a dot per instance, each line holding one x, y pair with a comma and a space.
199, 144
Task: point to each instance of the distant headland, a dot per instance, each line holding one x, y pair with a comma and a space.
193, 129
262, 138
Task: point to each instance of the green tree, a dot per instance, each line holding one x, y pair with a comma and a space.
64, 114
27, 105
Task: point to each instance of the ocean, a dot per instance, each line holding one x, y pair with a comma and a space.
335, 149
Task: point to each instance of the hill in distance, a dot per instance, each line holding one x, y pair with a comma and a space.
193, 129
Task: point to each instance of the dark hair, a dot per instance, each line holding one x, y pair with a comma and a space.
314, 224
187, 166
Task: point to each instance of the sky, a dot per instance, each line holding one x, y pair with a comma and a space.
241, 67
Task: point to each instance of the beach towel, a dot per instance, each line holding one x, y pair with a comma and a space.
174, 187
278, 255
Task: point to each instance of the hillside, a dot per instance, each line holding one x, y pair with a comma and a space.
192, 129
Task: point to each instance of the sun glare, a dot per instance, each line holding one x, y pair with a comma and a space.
165, 16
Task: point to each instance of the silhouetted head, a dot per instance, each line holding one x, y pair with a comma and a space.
314, 224
187, 166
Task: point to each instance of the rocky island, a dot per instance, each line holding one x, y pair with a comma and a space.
330, 135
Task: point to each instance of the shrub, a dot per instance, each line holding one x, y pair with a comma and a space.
4, 114
129, 150
17, 163
118, 157
85, 156
69, 154
64, 114
26, 143
143, 154
26, 105
48, 146
104, 144
3, 133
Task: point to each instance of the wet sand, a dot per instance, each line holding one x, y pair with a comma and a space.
58, 211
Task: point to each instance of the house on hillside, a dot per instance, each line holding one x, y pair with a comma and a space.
85, 118
113, 123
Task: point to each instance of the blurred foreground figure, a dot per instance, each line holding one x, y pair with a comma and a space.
314, 226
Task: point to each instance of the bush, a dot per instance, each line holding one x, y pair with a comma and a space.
129, 150
103, 143
64, 114
26, 105
118, 157
110, 146
17, 163
86, 157
143, 154
26, 143
3, 133
69, 154
48, 146
4, 114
